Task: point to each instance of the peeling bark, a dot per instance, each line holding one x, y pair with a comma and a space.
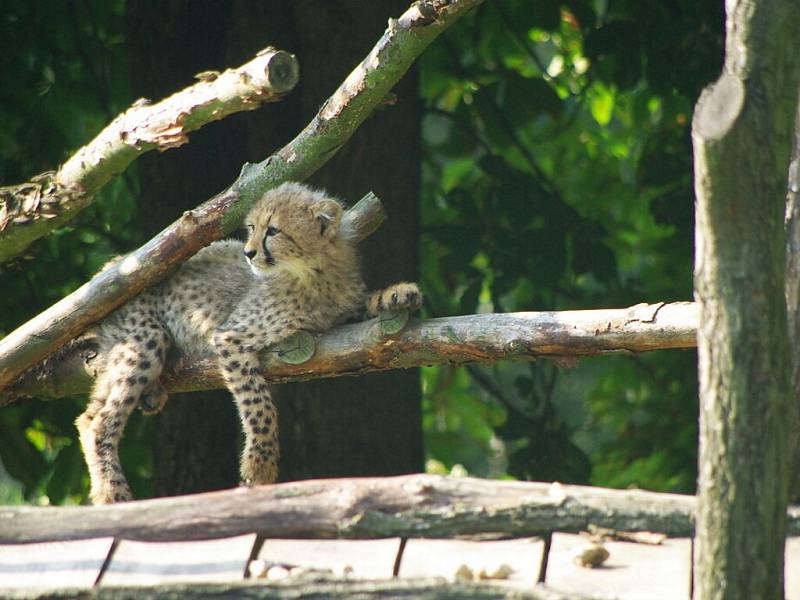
363, 90
71, 373
31, 210
792, 225
741, 135
412, 506
363, 347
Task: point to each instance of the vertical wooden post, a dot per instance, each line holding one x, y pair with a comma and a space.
741, 134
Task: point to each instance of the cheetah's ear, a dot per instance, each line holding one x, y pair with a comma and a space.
328, 213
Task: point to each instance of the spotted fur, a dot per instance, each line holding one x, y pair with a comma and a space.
297, 271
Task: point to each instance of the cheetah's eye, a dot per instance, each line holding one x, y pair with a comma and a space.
250, 227
272, 230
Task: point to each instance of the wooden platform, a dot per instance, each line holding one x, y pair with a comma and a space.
285, 568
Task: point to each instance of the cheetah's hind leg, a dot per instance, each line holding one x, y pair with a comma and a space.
399, 296
154, 398
132, 367
257, 411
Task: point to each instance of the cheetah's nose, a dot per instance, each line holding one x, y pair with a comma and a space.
249, 254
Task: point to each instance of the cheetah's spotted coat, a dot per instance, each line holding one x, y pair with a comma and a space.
297, 271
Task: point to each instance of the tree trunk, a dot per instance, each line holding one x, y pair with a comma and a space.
196, 438
327, 428
793, 297
741, 134
370, 425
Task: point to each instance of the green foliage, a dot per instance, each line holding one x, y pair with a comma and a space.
556, 175
62, 79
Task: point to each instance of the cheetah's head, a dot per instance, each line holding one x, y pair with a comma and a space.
292, 226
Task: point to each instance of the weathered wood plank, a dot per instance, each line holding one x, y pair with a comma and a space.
363, 559
207, 561
443, 558
648, 572
53, 565
631, 572
792, 568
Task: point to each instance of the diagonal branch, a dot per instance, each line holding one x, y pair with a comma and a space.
362, 348
32, 209
363, 90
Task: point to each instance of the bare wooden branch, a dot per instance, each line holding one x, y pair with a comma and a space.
32, 209
423, 506
73, 372
362, 348
303, 587
413, 506
363, 90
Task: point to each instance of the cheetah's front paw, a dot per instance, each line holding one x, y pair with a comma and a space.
258, 472
110, 493
395, 297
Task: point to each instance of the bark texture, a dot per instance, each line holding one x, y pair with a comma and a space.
363, 347
741, 135
31, 210
362, 91
414, 506
793, 296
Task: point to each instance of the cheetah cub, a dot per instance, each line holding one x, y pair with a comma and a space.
297, 271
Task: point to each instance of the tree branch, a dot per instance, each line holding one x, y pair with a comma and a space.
30, 210
413, 506
362, 348
363, 90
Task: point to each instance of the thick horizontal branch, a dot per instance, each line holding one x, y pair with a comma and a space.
72, 373
362, 348
412, 506
32, 209
363, 90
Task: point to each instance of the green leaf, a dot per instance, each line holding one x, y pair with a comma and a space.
602, 105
